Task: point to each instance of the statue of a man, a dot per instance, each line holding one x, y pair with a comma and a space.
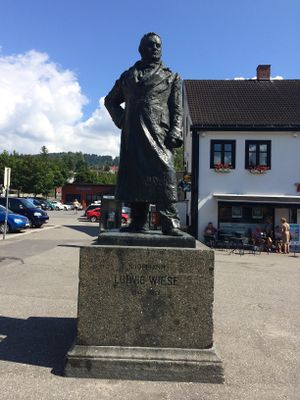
151, 124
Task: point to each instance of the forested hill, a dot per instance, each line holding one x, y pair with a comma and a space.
93, 160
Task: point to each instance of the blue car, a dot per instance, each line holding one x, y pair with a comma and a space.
15, 222
20, 205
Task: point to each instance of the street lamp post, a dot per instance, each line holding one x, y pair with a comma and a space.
7, 172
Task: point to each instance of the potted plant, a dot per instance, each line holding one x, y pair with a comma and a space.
258, 169
222, 167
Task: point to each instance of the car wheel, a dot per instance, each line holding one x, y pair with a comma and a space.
93, 219
2, 228
56, 208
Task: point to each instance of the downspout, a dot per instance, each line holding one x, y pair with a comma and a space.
195, 183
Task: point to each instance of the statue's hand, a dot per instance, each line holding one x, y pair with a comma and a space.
172, 142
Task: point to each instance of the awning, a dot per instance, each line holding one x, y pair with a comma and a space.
258, 198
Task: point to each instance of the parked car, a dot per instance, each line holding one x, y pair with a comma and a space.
57, 205
126, 210
20, 205
95, 214
49, 205
43, 202
69, 204
35, 203
91, 207
15, 222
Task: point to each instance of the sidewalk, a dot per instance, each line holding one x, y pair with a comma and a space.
257, 302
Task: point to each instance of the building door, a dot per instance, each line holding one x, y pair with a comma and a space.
281, 213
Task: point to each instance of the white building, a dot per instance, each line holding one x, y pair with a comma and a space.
242, 148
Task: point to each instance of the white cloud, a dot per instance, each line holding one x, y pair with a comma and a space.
275, 78
99, 132
41, 104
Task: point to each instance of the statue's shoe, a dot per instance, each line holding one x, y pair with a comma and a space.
172, 232
132, 228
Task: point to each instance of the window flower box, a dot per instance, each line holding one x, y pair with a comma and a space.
258, 169
223, 168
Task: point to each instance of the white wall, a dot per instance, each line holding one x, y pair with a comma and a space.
182, 211
279, 180
187, 137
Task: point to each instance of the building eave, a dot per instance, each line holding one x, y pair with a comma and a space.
258, 198
244, 128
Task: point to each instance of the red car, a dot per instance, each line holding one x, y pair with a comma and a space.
95, 214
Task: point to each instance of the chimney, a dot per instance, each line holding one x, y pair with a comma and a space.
263, 72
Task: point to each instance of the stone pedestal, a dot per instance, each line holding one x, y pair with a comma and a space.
145, 313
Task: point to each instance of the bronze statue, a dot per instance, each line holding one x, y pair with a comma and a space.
151, 124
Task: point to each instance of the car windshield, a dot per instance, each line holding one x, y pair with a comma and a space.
31, 201
2, 209
28, 203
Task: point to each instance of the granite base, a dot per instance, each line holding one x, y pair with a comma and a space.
144, 363
149, 238
145, 313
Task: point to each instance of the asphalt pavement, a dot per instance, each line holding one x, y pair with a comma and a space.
256, 316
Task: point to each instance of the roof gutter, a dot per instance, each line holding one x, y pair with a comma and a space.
218, 127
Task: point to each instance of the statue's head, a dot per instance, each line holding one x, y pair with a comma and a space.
150, 47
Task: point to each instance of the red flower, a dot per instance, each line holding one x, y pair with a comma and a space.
222, 166
259, 168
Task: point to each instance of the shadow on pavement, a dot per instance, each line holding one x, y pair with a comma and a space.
38, 341
92, 230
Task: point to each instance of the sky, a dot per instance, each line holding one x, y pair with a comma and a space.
59, 59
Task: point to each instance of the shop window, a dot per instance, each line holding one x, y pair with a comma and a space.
236, 212
222, 152
258, 153
230, 224
257, 213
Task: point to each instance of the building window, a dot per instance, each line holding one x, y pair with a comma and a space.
257, 213
236, 212
258, 153
222, 152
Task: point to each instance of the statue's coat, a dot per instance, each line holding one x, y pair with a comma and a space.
152, 115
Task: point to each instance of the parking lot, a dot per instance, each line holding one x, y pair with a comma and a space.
256, 314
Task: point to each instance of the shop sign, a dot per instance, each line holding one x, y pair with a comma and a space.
295, 237
295, 233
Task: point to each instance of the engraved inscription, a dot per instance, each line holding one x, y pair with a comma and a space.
148, 267
150, 277
163, 280
132, 279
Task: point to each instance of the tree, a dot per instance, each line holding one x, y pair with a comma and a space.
107, 178
179, 159
5, 161
43, 172
44, 151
